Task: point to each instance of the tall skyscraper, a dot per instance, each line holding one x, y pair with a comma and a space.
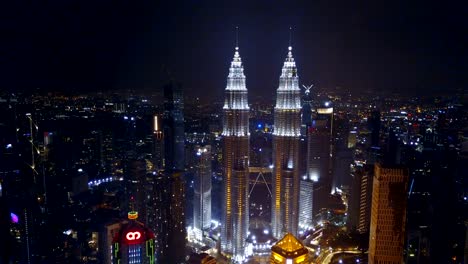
306, 199
202, 190
135, 183
166, 215
306, 114
319, 146
159, 213
388, 215
286, 138
173, 127
359, 203
174, 165
235, 162
373, 123
177, 231
306, 184
319, 150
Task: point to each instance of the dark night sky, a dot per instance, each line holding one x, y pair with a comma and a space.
104, 45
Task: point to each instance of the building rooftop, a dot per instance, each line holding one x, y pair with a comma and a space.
289, 246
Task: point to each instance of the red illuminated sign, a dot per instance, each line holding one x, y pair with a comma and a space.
133, 236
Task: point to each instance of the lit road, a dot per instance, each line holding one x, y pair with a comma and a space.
330, 255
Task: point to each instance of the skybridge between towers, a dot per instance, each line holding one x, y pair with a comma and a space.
260, 175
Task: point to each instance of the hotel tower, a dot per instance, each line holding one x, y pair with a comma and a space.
235, 162
286, 138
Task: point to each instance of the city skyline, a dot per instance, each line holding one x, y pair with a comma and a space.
137, 133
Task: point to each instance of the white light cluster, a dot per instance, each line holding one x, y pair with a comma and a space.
288, 101
283, 133
104, 180
236, 77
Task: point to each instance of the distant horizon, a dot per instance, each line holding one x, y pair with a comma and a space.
83, 47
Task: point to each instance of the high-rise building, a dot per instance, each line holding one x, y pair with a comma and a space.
306, 199
159, 212
360, 199
289, 250
235, 162
106, 239
202, 190
135, 187
319, 148
319, 151
177, 231
388, 215
286, 138
307, 106
166, 215
134, 243
173, 127
173, 211
373, 123
306, 184
158, 143
21, 191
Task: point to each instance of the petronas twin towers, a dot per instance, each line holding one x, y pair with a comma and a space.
286, 137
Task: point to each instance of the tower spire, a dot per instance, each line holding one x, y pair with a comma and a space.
290, 38
237, 37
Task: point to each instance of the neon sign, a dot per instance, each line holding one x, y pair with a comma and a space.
133, 236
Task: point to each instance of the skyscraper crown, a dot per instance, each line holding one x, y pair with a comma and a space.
289, 80
236, 77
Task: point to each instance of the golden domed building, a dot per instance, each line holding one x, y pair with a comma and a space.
289, 250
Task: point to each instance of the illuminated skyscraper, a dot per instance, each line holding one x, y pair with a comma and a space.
134, 243
306, 184
388, 215
286, 138
235, 162
305, 203
202, 190
289, 250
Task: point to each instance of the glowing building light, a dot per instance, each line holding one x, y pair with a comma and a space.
14, 218
156, 128
133, 236
132, 215
328, 110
